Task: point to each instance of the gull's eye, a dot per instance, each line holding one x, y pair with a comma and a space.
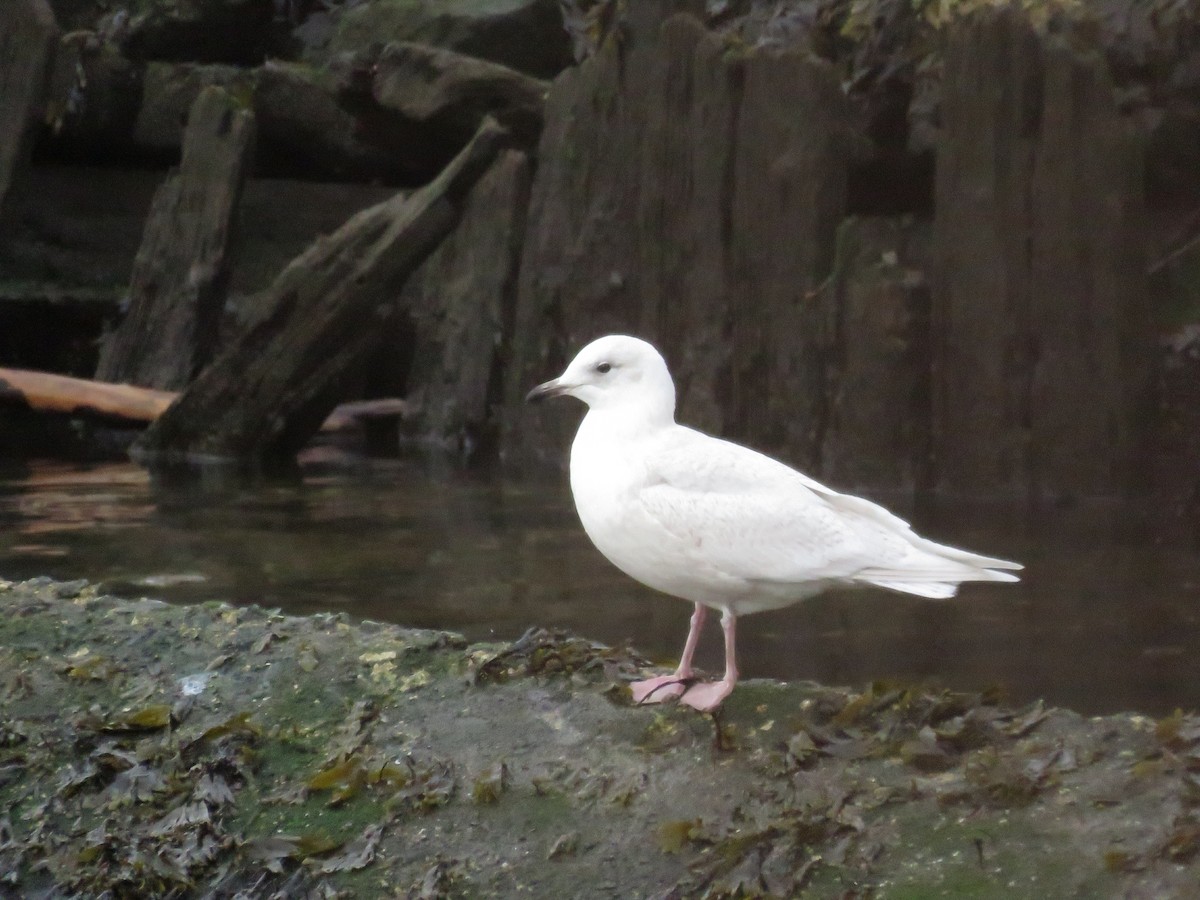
604, 368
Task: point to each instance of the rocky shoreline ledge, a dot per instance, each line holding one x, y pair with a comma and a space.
214, 751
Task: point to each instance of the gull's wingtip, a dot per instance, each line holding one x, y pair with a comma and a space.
1005, 564
1005, 576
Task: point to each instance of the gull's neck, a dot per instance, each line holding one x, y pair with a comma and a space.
607, 431
627, 422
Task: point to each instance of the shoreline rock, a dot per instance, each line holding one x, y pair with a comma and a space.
185, 750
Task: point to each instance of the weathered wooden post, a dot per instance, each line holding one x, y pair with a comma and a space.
1041, 352
266, 393
460, 304
689, 195
178, 287
28, 35
876, 436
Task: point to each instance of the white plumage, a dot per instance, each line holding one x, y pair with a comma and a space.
719, 524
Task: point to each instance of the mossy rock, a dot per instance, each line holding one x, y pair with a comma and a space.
526, 35
151, 750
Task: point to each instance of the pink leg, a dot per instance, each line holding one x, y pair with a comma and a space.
668, 687
699, 614
707, 697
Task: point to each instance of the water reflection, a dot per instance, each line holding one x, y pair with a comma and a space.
1102, 622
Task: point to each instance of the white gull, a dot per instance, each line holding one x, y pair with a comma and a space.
719, 524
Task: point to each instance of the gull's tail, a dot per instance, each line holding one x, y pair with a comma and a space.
924, 567
936, 570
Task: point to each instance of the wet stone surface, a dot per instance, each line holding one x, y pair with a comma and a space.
155, 750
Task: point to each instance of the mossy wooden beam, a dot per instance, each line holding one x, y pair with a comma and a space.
318, 323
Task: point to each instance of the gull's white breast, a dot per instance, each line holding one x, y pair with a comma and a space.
610, 477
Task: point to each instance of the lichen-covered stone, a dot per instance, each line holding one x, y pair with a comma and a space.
453, 92
526, 35
239, 747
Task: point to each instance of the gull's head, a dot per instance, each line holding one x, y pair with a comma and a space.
614, 372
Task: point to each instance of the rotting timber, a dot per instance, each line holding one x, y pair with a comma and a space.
170, 751
1018, 247
263, 397
178, 286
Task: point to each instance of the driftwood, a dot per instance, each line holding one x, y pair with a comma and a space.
127, 403
316, 328
47, 392
179, 281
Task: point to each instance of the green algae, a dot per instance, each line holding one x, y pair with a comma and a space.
173, 751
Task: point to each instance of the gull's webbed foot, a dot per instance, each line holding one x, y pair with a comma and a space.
659, 689
707, 696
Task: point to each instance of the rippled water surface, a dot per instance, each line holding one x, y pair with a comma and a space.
1099, 623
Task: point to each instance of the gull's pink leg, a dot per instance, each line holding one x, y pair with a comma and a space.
707, 697
699, 614
667, 687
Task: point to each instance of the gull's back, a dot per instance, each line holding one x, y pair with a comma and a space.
715, 522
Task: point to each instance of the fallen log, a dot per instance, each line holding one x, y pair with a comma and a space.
133, 405
47, 392
316, 327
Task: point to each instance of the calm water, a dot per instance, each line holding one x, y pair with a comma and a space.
1099, 624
